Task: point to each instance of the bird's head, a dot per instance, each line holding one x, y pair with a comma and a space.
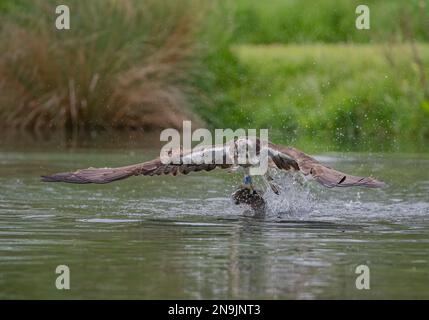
247, 150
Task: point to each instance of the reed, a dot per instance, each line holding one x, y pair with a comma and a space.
123, 64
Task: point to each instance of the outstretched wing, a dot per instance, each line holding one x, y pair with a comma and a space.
149, 168
323, 174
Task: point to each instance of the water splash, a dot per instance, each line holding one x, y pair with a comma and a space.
295, 199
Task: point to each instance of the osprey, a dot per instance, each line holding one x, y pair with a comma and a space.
184, 162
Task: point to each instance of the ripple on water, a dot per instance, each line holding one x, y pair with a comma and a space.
105, 220
183, 236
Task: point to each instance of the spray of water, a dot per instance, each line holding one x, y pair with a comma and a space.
295, 198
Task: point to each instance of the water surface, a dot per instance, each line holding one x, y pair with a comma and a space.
181, 237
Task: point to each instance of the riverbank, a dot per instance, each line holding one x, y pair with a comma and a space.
354, 96
132, 73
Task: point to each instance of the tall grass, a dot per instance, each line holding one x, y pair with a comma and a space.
123, 63
151, 64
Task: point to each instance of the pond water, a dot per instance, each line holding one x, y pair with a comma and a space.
182, 237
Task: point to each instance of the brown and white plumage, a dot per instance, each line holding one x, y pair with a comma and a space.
284, 158
321, 173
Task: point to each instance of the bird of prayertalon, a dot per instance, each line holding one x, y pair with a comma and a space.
184, 162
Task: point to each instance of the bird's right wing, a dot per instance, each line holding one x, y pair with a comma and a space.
103, 175
149, 168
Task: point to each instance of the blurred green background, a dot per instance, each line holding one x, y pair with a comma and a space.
298, 68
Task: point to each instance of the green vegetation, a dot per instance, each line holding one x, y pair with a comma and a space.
345, 95
300, 68
304, 21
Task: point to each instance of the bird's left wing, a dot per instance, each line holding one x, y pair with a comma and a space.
321, 173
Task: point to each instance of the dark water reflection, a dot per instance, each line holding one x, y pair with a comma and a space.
181, 237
